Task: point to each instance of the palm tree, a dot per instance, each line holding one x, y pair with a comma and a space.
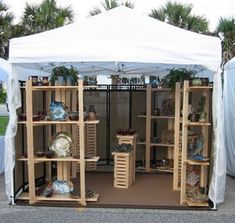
110, 4
129, 4
226, 27
6, 19
46, 16
95, 11
178, 14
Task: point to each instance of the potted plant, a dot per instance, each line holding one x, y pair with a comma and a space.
63, 76
59, 75
176, 75
72, 78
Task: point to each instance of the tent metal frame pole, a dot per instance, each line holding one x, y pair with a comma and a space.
108, 126
43, 132
22, 142
130, 107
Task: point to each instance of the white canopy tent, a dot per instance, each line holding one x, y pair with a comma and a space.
229, 117
4, 70
136, 43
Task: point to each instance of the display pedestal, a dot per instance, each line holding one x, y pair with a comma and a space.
124, 174
129, 139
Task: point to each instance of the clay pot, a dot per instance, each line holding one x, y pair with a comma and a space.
91, 113
40, 154
194, 117
205, 81
34, 80
45, 81
49, 154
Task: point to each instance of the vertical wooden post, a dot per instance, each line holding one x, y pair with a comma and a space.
82, 143
75, 133
205, 134
176, 137
59, 129
48, 133
184, 142
169, 149
148, 128
30, 147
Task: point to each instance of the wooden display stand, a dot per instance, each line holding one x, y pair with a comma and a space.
203, 165
149, 118
90, 145
62, 93
129, 139
124, 166
90, 150
124, 163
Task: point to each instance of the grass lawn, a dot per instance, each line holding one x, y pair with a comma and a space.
3, 124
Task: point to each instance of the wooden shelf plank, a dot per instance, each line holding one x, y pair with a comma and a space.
64, 159
197, 204
141, 143
54, 122
195, 162
161, 89
162, 144
92, 122
162, 117
38, 123
198, 124
199, 88
66, 197
157, 116
22, 122
141, 116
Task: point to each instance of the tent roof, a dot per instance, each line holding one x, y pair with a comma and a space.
118, 35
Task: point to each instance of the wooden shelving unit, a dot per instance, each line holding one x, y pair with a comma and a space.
204, 127
149, 117
65, 94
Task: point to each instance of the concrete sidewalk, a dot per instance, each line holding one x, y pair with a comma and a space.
24, 214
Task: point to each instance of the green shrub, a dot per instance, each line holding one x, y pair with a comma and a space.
3, 124
3, 96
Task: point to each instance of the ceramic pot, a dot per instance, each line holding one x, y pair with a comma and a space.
202, 117
197, 82
69, 81
60, 81
205, 81
92, 113
34, 80
45, 81
194, 117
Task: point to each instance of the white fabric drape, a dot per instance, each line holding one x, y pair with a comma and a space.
218, 180
2, 148
14, 102
229, 118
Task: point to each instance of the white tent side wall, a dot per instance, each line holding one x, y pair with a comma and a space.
229, 115
218, 180
14, 102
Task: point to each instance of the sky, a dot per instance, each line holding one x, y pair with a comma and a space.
211, 9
